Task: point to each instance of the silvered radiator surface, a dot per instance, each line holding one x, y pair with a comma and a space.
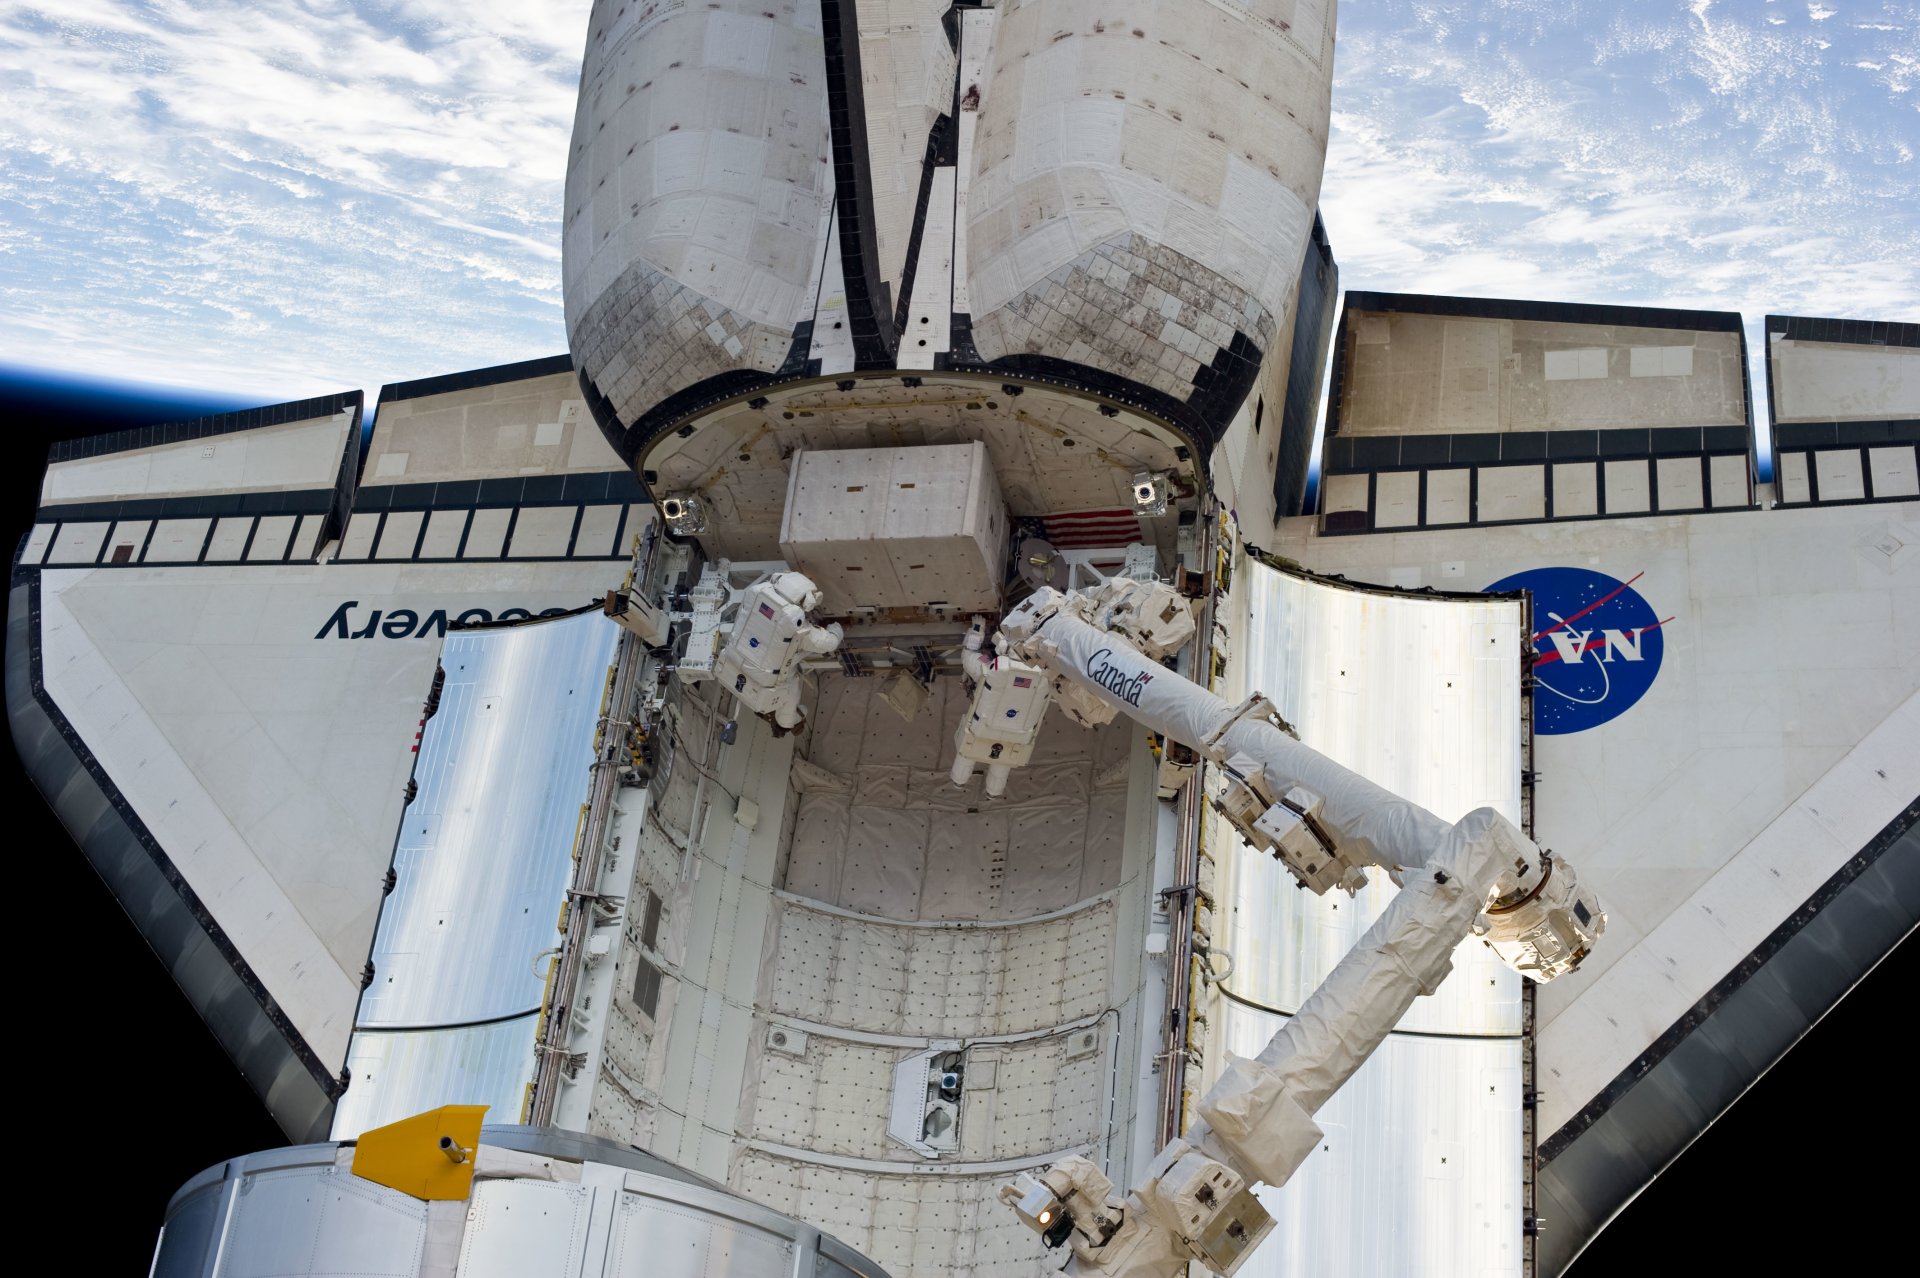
481, 866
1421, 1168
1421, 696
485, 848
1418, 1170
398, 1073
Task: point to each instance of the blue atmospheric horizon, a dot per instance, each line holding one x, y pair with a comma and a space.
62, 398
113, 403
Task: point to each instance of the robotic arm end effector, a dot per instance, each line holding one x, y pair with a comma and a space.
1071, 1201
1189, 1207
1545, 924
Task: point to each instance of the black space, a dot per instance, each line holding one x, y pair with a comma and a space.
1807, 1154
129, 1053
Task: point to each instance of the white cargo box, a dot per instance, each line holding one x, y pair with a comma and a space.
897, 527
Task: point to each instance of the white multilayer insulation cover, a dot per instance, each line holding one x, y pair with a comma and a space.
881, 828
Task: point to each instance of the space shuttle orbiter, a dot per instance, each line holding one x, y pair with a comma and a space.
379, 738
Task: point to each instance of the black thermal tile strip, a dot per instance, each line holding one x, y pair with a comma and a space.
1837, 434
1350, 453
1851, 332
869, 317
121, 441
595, 488
942, 141
1318, 299
305, 501
1547, 312
473, 379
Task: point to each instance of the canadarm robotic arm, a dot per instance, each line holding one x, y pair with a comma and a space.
1480, 875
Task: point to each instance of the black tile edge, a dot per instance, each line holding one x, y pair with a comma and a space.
1556, 1144
345, 483
1219, 390
484, 502
542, 490
1752, 441
473, 379
1563, 312
960, 352
1869, 498
1792, 435
1349, 523
869, 316
1595, 1163
942, 145
1804, 328
1851, 332
1352, 453
335, 502
1201, 431
1726, 439
120, 441
277, 1062
1773, 409
301, 501
1317, 299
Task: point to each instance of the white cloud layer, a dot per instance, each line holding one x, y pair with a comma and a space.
286, 197
1635, 152
283, 198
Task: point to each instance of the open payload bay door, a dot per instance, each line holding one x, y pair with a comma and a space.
1422, 695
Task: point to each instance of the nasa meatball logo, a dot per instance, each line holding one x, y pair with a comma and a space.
1597, 646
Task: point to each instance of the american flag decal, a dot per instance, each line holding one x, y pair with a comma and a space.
1088, 529
1021, 681
766, 610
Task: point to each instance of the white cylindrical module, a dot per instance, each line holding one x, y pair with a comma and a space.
538, 1194
1144, 184
698, 187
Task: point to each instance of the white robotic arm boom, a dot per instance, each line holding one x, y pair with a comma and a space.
1324, 820
1478, 875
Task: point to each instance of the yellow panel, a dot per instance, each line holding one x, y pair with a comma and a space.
429, 1156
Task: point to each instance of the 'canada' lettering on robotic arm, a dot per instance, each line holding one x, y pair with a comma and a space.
1479, 875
